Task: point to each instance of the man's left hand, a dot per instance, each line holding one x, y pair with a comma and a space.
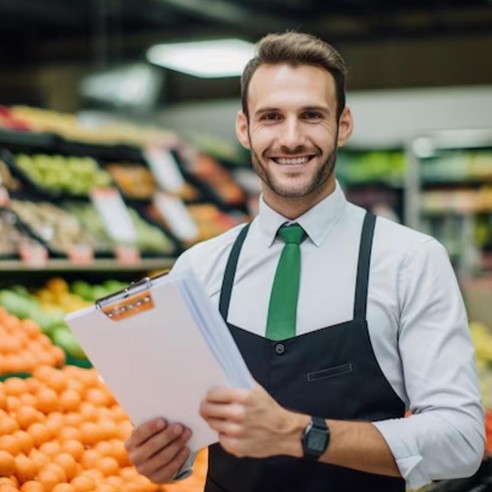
251, 423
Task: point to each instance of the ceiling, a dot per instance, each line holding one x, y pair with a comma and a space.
40, 31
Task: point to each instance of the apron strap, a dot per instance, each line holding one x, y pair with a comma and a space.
361, 286
230, 272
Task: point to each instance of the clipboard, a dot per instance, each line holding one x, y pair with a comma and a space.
159, 345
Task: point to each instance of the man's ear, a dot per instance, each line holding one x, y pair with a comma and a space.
345, 126
242, 129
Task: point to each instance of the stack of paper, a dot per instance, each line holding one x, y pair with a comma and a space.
160, 362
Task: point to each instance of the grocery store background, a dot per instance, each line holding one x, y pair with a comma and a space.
112, 162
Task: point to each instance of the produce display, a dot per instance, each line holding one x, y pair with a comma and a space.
150, 239
65, 175
216, 177
6, 178
61, 430
23, 346
12, 239
134, 180
59, 229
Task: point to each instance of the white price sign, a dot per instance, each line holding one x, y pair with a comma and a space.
177, 216
165, 169
115, 215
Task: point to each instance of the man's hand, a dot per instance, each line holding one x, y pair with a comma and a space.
158, 450
251, 423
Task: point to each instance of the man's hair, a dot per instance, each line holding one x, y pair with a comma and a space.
296, 48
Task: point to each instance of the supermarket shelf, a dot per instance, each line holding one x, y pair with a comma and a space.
107, 265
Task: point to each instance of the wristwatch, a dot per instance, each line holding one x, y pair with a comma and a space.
315, 438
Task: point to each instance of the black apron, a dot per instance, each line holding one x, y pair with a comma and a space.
331, 372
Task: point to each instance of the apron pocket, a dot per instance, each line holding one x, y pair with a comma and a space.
329, 373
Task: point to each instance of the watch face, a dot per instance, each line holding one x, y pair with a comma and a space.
317, 440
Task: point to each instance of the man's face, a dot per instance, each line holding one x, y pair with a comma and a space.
292, 131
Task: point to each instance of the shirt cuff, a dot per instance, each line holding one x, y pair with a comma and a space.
405, 451
186, 470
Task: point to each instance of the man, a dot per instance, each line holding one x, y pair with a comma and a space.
379, 326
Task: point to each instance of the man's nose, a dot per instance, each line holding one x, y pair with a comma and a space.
292, 135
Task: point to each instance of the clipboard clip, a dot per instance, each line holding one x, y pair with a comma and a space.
134, 299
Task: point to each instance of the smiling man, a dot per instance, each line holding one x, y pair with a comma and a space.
346, 321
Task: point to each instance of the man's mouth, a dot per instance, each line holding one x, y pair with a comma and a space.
292, 161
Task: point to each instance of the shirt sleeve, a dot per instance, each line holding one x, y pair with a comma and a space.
444, 436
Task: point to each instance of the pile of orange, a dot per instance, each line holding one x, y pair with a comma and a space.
23, 346
62, 431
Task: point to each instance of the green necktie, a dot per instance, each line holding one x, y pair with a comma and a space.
282, 310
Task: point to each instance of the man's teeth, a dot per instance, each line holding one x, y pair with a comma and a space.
293, 160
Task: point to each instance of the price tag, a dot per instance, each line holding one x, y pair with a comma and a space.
165, 169
81, 254
115, 215
177, 216
4, 197
128, 255
33, 254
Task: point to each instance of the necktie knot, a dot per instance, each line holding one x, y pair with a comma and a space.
292, 234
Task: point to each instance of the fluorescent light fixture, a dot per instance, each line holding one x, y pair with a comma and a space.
206, 59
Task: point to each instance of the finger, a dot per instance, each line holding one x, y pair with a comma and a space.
162, 440
234, 411
223, 394
226, 428
164, 456
166, 473
144, 432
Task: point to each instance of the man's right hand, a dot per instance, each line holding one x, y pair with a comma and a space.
158, 450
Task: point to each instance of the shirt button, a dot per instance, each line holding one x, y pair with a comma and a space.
279, 348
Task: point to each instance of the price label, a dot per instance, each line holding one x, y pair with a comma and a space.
128, 255
4, 197
177, 216
81, 254
115, 215
165, 169
34, 255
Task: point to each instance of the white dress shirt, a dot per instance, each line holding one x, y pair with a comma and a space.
415, 313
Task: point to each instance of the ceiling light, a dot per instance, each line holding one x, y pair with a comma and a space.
207, 59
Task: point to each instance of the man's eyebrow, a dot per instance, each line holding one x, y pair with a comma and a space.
267, 110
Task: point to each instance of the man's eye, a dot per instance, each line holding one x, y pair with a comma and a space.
312, 115
270, 117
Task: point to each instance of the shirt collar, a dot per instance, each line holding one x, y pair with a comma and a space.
317, 222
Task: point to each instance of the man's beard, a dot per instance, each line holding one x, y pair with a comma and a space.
320, 177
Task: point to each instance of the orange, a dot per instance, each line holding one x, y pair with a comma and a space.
70, 433
14, 386
88, 411
47, 479
74, 448
63, 487
25, 468
47, 400
67, 462
8, 425
32, 486
95, 475
106, 487
57, 470
108, 466
118, 413
33, 385
25, 440
97, 397
83, 483
13, 403
7, 464
10, 444
108, 428
28, 399
39, 458
50, 448
26, 416
90, 459
73, 419
39, 433
119, 453
31, 328
3, 396
70, 400
90, 433
125, 428
75, 385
